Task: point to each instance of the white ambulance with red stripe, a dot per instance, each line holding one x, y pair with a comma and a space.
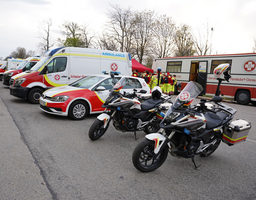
241, 86
65, 65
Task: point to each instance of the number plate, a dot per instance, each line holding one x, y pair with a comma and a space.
42, 102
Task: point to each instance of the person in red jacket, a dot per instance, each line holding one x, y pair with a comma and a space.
135, 73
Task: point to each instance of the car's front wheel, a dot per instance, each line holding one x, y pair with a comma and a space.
78, 110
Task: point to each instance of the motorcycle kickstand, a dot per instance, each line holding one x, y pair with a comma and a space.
135, 136
193, 160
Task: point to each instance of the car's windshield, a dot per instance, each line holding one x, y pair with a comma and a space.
87, 81
22, 64
38, 65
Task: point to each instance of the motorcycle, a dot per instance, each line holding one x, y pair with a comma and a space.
128, 113
188, 130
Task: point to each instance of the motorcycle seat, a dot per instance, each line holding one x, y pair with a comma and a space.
150, 103
222, 115
212, 120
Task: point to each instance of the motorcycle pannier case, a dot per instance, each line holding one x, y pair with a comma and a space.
236, 132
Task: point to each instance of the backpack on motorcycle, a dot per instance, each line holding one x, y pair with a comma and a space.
236, 132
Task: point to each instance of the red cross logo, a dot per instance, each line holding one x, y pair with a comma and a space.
57, 77
249, 66
113, 66
184, 96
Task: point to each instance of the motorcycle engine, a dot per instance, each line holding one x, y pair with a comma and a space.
125, 124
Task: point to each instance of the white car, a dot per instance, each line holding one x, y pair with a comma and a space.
86, 95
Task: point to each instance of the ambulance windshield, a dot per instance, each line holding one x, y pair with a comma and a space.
38, 65
22, 64
3, 66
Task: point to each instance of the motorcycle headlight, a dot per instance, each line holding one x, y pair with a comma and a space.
19, 81
172, 116
60, 98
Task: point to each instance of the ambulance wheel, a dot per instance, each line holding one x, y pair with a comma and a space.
78, 110
243, 97
34, 95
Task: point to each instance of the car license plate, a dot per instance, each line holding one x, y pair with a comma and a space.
42, 102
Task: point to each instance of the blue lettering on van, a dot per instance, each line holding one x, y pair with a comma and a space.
113, 54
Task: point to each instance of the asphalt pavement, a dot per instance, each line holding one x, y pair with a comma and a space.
19, 174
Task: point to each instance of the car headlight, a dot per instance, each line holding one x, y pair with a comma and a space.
10, 74
19, 81
60, 98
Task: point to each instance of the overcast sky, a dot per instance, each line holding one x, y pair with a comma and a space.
233, 21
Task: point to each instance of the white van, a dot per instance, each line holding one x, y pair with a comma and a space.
65, 65
12, 63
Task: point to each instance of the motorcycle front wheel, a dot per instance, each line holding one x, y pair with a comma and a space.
143, 154
97, 130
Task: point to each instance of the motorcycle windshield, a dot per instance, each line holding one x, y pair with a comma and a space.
120, 84
187, 95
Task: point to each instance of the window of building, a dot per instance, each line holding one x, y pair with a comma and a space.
215, 63
173, 66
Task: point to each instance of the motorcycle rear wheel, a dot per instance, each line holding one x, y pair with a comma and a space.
142, 157
211, 148
97, 130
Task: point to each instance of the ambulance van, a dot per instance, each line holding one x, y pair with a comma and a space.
62, 66
2, 62
11, 63
25, 65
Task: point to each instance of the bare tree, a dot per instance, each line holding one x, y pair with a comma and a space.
202, 43
106, 42
144, 24
184, 42
30, 53
46, 42
162, 43
20, 52
86, 37
120, 27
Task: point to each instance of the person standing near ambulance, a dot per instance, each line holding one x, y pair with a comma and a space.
135, 73
153, 80
173, 84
